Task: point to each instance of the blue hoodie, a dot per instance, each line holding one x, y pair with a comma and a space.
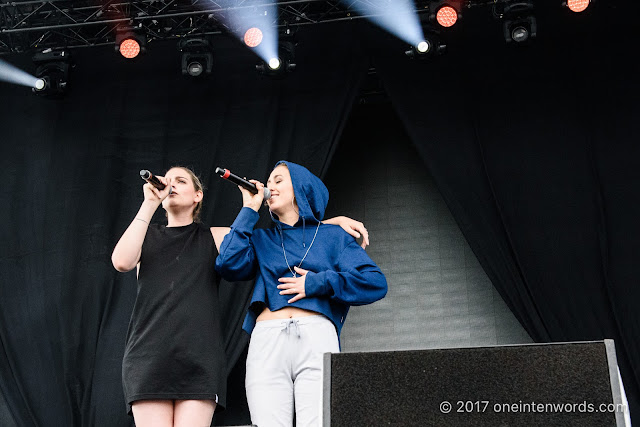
341, 274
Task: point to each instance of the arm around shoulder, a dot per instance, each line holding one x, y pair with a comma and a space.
351, 226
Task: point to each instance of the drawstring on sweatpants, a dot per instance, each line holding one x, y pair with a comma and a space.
286, 326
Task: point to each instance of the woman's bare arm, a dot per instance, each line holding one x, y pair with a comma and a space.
126, 254
351, 226
218, 235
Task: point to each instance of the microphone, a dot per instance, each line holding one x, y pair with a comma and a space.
151, 179
226, 174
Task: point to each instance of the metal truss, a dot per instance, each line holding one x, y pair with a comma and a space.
30, 25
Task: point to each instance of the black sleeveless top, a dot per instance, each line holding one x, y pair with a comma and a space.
174, 344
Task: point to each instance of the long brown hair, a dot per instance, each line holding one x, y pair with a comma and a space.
197, 185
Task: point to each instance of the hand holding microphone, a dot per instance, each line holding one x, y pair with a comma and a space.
151, 179
250, 200
252, 186
157, 189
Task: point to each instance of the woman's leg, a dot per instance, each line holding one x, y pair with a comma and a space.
268, 383
317, 336
196, 413
153, 413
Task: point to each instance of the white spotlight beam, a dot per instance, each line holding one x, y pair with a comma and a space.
11, 74
396, 16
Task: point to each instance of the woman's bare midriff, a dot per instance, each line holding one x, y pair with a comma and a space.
284, 313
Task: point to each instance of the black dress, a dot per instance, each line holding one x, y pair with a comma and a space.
174, 347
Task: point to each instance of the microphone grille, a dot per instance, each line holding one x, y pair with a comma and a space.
267, 193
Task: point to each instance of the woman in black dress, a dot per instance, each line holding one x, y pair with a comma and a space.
174, 370
174, 366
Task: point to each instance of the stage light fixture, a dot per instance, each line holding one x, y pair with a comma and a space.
277, 67
519, 23
446, 13
197, 56
430, 46
253, 37
577, 5
129, 43
52, 72
274, 63
424, 46
446, 16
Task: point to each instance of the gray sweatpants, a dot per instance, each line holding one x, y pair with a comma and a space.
284, 370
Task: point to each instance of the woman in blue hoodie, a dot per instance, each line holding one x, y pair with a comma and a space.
308, 275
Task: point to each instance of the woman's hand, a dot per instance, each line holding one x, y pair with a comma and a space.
250, 200
152, 194
293, 285
351, 226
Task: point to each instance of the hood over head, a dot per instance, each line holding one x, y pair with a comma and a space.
310, 192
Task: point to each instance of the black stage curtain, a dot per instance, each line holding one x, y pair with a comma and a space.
71, 186
535, 150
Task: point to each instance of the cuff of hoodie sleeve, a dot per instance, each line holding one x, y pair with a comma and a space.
314, 285
245, 221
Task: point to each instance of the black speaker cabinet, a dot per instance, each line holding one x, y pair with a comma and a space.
559, 384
